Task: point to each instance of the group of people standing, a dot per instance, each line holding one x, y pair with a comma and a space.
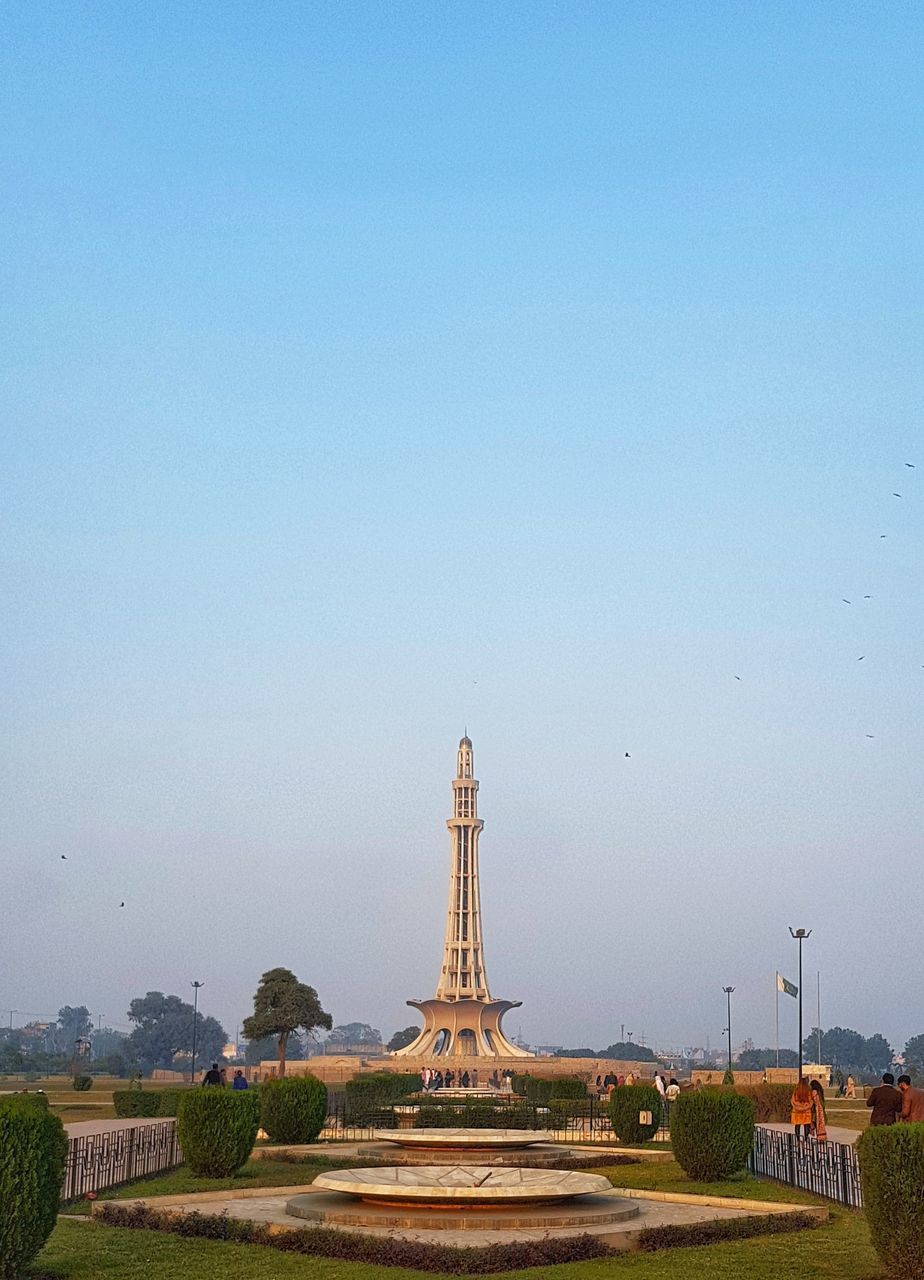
219, 1076
890, 1104
448, 1079
605, 1085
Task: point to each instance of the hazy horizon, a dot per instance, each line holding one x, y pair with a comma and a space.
376, 373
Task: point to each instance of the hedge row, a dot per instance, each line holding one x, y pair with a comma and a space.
325, 1242
627, 1104
293, 1109
217, 1129
367, 1096
543, 1089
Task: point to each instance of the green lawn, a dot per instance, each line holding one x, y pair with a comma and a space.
668, 1176
838, 1251
255, 1173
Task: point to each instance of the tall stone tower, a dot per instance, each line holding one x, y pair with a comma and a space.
462, 1020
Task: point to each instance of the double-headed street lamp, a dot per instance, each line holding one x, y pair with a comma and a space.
801, 934
728, 995
195, 986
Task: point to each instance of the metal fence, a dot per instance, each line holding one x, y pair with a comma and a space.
567, 1120
102, 1160
828, 1169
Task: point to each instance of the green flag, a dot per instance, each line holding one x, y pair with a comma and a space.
788, 988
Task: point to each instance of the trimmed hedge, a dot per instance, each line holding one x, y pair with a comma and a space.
37, 1101
367, 1098
217, 1129
712, 1133
892, 1176
82, 1083
33, 1151
477, 1115
543, 1089
135, 1103
389, 1251
683, 1235
625, 1104
293, 1109
772, 1102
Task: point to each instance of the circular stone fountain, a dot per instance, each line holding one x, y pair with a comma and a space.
461, 1197
450, 1146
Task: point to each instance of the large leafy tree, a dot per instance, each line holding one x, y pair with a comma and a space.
282, 1005
354, 1033
849, 1050
259, 1050
73, 1024
164, 1028
401, 1039
914, 1054
761, 1059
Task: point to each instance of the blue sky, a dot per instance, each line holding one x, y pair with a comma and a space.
371, 371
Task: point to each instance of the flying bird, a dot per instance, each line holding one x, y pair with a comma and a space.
737, 677
883, 535
896, 495
870, 735
121, 904
867, 597
845, 601
910, 464
64, 857
861, 657
628, 757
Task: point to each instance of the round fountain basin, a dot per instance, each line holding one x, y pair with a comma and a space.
462, 1186
463, 1139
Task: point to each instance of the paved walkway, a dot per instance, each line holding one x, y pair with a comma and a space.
92, 1128
835, 1132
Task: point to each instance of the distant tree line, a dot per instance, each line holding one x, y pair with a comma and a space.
622, 1050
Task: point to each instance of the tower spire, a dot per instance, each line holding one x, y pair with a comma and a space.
462, 1020
462, 975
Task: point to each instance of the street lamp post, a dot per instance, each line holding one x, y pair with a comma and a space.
801, 934
195, 986
728, 995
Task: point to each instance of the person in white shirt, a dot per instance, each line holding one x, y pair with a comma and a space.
659, 1083
672, 1092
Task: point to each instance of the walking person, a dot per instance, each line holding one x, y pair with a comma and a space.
240, 1080
212, 1076
659, 1083
800, 1114
885, 1101
850, 1088
672, 1092
819, 1128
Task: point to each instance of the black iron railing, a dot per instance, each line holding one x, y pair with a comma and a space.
102, 1160
580, 1121
828, 1169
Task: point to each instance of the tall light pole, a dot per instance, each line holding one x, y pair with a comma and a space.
195, 986
728, 995
801, 934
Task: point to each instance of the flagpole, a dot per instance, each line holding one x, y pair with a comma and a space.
777, 1018
818, 1024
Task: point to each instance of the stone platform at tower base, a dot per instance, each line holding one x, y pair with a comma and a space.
539, 1155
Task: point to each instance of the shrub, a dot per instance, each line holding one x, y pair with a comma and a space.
771, 1101
568, 1087
293, 1109
712, 1133
368, 1098
35, 1101
892, 1176
82, 1083
680, 1235
134, 1103
33, 1150
729, 1076
168, 1101
625, 1104
217, 1129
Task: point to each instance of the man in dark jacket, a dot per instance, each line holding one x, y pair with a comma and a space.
213, 1076
885, 1100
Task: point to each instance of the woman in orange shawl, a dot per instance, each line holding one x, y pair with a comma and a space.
819, 1128
801, 1108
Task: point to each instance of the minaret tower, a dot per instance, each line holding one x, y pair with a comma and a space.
462, 1020
462, 976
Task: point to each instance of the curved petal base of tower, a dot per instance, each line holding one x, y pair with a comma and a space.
462, 1029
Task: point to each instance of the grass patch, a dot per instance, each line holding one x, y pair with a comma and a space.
255, 1173
668, 1176
839, 1250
